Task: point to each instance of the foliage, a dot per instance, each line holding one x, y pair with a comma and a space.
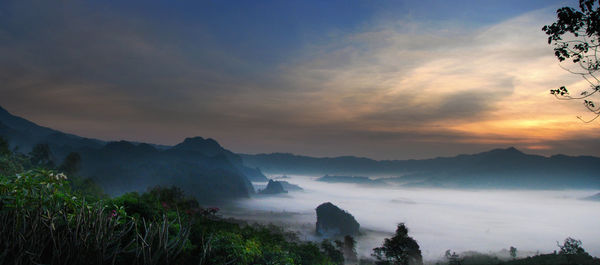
41, 156
43, 222
401, 249
71, 164
219, 241
332, 252
571, 246
513, 252
576, 36
4, 148
10, 164
86, 188
554, 259
452, 257
48, 218
349, 249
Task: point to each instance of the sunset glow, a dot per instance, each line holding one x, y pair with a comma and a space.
414, 77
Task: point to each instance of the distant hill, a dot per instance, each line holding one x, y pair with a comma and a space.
498, 168
289, 186
595, 197
199, 166
273, 187
333, 221
23, 135
351, 179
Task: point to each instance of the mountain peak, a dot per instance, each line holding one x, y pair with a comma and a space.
506, 151
198, 142
512, 149
206, 146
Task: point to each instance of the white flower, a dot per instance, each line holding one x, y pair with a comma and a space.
61, 176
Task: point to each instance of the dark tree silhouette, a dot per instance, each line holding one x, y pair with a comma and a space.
4, 148
571, 246
336, 256
401, 249
41, 156
576, 36
349, 250
452, 257
71, 164
513, 252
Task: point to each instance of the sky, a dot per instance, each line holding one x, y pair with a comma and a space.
380, 79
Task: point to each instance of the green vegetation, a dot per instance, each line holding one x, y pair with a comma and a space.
575, 255
49, 218
401, 249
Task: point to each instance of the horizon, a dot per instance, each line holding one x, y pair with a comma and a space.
215, 131
303, 155
392, 80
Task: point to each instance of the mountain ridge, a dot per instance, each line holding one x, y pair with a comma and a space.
496, 168
199, 166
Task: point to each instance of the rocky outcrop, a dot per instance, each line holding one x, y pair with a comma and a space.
273, 187
289, 186
333, 221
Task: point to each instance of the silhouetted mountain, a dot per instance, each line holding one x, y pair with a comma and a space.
351, 179
498, 168
273, 187
289, 186
124, 166
210, 147
23, 135
333, 221
595, 197
199, 166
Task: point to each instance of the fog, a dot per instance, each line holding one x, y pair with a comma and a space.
439, 219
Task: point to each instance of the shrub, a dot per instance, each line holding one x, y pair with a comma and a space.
42, 222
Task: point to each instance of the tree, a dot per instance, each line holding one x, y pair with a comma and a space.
452, 257
10, 163
571, 246
71, 164
401, 249
513, 252
336, 256
41, 156
350, 255
576, 36
4, 148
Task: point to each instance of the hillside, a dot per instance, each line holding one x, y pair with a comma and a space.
200, 166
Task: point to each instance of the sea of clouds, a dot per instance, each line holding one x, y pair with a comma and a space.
486, 221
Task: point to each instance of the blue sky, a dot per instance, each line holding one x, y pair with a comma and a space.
270, 31
384, 79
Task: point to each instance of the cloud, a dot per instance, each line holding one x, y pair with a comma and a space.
431, 89
488, 85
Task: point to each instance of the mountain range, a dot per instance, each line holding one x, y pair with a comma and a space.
498, 168
205, 169
199, 166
